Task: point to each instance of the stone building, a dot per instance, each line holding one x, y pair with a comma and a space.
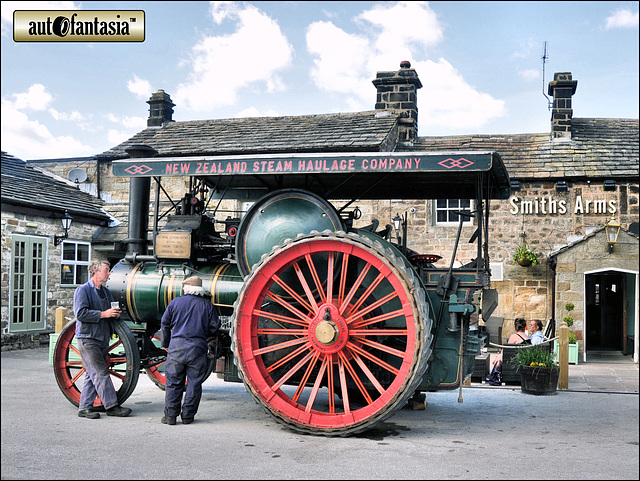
567, 183
38, 261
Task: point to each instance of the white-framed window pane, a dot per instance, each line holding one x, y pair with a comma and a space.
75, 261
445, 211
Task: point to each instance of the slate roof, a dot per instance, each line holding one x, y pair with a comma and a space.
355, 132
599, 148
26, 187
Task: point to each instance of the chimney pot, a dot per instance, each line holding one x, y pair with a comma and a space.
160, 109
396, 93
562, 88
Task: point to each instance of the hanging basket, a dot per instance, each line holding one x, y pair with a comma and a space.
539, 380
524, 262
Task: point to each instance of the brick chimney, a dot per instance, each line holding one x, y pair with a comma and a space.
397, 92
562, 88
160, 109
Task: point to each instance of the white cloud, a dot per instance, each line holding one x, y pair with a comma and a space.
139, 87
225, 64
74, 116
345, 63
36, 98
29, 139
134, 124
529, 74
622, 18
254, 112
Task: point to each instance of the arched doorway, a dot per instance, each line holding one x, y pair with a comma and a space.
605, 316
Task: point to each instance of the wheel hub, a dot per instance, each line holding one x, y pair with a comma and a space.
329, 332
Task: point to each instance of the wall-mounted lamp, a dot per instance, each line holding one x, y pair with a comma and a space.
562, 186
515, 186
66, 224
609, 185
396, 222
612, 229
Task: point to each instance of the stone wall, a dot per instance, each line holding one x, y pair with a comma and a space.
57, 296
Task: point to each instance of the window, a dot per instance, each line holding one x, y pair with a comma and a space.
444, 211
27, 295
74, 264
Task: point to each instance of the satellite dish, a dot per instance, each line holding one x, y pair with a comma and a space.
77, 175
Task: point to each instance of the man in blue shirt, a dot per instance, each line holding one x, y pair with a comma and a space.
535, 328
186, 324
94, 327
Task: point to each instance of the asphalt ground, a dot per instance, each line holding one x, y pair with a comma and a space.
587, 432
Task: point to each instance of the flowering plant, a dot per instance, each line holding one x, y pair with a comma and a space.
534, 357
525, 256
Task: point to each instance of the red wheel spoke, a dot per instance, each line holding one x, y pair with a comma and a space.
372, 358
115, 344
368, 372
365, 295
117, 374
377, 332
381, 347
330, 386
288, 306
355, 378
294, 294
372, 306
281, 345
288, 357
343, 386
75, 378
312, 305
374, 320
284, 332
343, 278
278, 317
354, 288
314, 275
293, 370
74, 349
305, 378
330, 279
316, 386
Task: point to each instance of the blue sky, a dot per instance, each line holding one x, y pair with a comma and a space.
480, 64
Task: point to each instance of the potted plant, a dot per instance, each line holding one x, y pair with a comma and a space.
569, 306
524, 256
538, 370
573, 343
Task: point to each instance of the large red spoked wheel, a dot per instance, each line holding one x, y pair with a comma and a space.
123, 360
331, 333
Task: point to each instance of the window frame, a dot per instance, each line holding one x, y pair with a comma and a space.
75, 264
449, 223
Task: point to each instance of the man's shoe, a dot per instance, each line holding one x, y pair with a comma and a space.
168, 420
187, 421
97, 409
118, 411
88, 413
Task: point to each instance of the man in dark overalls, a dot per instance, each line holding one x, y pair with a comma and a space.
186, 324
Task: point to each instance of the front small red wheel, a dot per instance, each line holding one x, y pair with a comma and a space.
123, 360
332, 333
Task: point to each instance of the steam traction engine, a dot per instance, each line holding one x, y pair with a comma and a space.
331, 328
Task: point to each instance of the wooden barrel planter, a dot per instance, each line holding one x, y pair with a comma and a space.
539, 380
